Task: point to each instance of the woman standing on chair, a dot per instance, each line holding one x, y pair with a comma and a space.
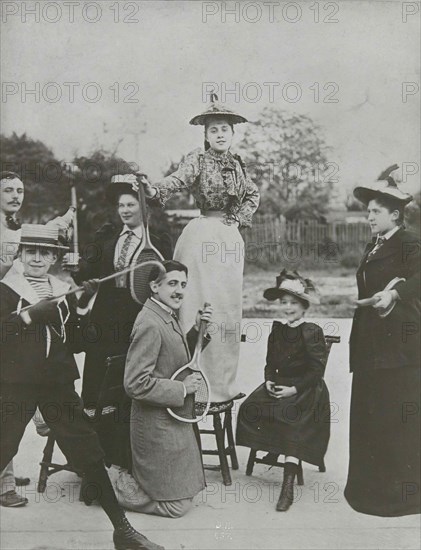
211, 246
384, 466
289, 413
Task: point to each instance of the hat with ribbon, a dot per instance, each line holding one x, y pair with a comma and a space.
291, 282
217, 110
122, 184
46, 236
384, 186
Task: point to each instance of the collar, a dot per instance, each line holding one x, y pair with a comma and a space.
294, 324
164, 307
390, 233
138, 231
16, 280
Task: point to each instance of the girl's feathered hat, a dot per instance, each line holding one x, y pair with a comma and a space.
385, 185
215, 109
122, 184
46, 236
293, 283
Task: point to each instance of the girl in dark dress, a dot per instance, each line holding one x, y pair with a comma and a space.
290, 413
384, 462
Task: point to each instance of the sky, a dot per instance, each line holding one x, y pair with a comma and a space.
142, 67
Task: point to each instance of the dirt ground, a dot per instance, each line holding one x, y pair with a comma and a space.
241, 516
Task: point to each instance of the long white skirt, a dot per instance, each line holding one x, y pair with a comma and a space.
214, 255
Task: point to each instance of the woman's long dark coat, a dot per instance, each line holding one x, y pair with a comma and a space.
384, 469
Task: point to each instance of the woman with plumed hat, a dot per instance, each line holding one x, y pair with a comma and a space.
384, 463
211, 245
113, 310
289, 413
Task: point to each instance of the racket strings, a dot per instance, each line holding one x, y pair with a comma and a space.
202, 394
140, 280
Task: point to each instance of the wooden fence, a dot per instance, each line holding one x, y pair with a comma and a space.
272, 239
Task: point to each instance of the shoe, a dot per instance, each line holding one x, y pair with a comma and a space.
286, 498
12, 500
22, 481
125, 537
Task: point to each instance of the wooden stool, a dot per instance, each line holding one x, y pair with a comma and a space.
48, 467
220, 430
268, 458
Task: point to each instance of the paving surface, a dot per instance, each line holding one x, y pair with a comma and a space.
241, 516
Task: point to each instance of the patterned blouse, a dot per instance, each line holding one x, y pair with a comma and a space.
218, 181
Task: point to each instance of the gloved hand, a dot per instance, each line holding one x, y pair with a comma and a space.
44, 311
90, 287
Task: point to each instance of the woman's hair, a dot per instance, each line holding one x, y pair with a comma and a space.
303, 302
218, 117
169, 265
391, 205
127, 191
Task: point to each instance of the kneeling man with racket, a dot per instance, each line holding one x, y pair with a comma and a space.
163, 380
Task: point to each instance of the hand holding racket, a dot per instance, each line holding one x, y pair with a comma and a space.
194, 378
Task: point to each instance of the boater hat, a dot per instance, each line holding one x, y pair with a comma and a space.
47, 236
122, 184
215, 109
293, 283
384, 186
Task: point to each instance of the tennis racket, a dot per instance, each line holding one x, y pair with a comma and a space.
187, 412
152, 264
139, 278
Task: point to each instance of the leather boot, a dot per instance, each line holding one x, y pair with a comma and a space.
127, 538
286, 498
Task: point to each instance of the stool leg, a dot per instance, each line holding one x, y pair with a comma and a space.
322, 467
230, 437
219, 433
45, 464
300, 476
250, 463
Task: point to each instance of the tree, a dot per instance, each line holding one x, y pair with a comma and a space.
41, 173
286, 156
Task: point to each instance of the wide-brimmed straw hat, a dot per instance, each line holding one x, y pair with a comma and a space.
291, 282
46, 236
122, 184
215, 109
384, 186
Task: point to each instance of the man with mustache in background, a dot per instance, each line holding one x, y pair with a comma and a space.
11, 198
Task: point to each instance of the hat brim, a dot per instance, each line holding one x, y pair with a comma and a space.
44, 245
274, 293
120, 188
200, 120
367, 194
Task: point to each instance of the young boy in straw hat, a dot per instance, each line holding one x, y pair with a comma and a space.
38, 369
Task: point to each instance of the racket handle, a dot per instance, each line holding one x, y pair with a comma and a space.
364, 302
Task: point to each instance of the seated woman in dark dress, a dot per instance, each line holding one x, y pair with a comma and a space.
289, 413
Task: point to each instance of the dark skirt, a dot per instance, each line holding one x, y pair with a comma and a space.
108, 335
384, 467
297, 426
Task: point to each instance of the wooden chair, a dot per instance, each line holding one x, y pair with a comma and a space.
224, 435
268, 458
111, 400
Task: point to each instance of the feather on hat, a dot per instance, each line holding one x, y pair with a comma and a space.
293, 283
385, 185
